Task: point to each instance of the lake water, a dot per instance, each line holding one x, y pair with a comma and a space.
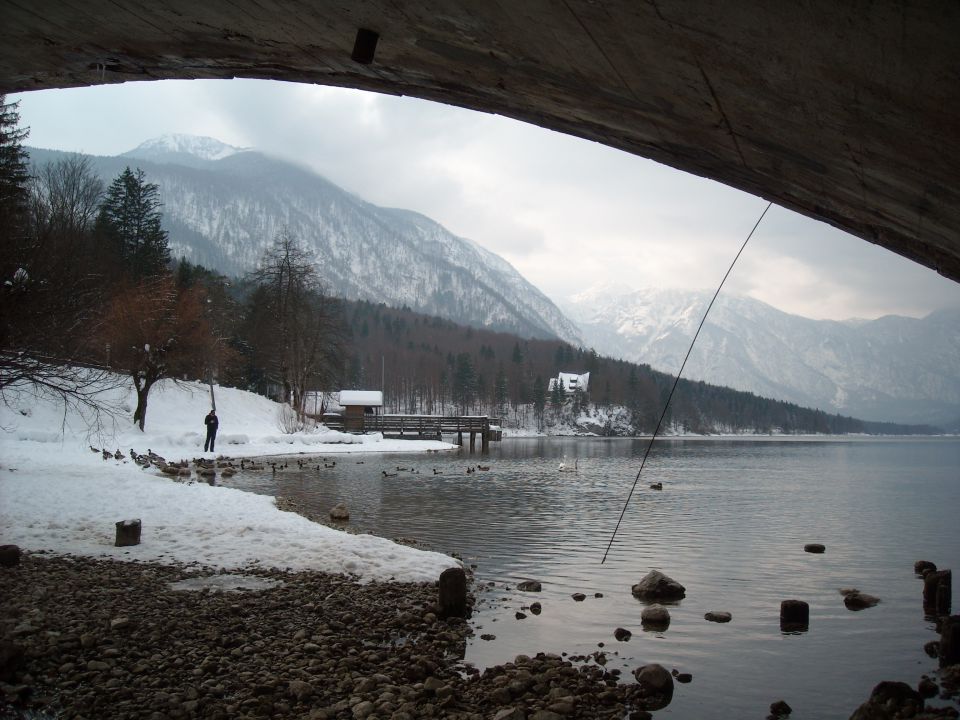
730, 524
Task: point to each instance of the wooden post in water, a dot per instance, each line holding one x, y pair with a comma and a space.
473, 440
485, 441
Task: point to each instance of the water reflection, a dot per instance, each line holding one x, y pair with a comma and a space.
730, 524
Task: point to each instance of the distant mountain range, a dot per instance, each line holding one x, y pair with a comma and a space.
891, 369
223, 206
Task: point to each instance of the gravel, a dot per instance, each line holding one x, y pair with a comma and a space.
95, 638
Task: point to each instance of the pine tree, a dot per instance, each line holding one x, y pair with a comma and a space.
130, 224
14, 175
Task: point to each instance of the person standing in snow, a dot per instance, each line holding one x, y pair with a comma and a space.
212, 423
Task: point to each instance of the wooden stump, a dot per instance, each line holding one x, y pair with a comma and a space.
453, 593
794, 615
128, 533
937, 591
950, 641
9, 555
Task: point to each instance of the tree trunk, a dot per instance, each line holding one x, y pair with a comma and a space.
140, 414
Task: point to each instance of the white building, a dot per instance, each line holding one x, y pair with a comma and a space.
570, 382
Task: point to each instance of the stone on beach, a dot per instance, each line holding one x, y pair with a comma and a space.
657, 586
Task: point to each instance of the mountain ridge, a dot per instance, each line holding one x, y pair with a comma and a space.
224, 212
892, 368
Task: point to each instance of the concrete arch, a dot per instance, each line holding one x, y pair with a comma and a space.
848, 112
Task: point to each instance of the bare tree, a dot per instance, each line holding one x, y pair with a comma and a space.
156, 332
298, 331
65, 198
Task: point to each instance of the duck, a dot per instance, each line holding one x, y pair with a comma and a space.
386, 474
483, 467
437, 472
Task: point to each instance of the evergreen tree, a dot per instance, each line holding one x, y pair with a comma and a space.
130, 225
14, 176
464, 383
557, 396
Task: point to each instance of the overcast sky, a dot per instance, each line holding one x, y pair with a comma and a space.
567, 213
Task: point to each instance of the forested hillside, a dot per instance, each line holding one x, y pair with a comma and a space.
433, 366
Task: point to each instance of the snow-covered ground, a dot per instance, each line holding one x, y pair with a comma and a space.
59, 495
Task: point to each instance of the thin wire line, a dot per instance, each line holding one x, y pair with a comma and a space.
677, 380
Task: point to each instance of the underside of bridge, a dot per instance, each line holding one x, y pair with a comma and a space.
848, 112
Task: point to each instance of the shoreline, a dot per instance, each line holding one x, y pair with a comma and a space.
110, 639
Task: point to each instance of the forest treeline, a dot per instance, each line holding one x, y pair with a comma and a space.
88, 283
434, 366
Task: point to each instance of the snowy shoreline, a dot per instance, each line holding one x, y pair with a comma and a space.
58, 494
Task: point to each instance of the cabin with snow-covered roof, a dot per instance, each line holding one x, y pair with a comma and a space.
570, 382
357, 404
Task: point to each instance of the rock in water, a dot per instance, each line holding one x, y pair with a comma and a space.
718, 616
655, 617
657, 586
888, 700
816, 548
339, 512
856, 600
529, 586
780, 709
656, 686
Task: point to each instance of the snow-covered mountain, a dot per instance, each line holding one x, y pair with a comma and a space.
223, 206
892, 369
182, 149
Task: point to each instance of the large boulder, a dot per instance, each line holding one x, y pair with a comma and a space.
890, 700
657, 586
656, 686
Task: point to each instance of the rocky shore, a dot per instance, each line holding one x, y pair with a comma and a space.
88, 638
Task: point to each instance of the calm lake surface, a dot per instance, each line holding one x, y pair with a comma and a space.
730, 525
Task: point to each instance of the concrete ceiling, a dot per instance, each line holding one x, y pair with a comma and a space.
848, 112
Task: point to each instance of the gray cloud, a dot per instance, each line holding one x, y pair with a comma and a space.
566, 212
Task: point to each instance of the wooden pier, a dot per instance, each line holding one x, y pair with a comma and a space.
422, 426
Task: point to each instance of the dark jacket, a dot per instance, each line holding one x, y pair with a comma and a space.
211, 422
